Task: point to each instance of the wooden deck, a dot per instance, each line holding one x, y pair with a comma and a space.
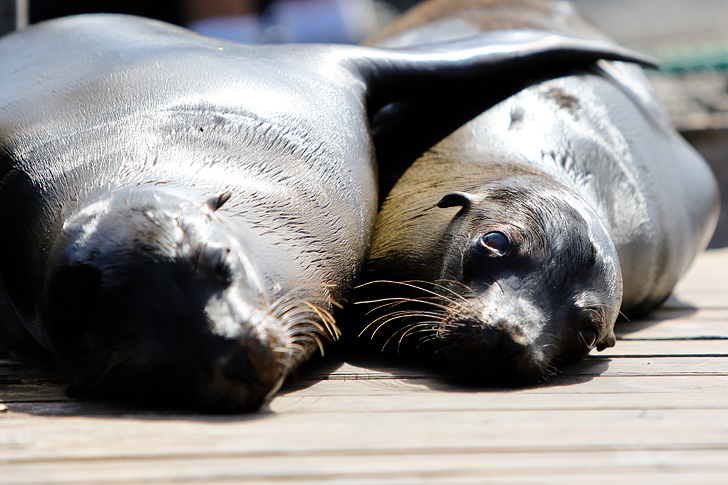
652, 410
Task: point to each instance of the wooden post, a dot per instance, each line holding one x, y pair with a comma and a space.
13, 15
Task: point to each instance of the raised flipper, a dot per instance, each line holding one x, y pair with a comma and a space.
454, 81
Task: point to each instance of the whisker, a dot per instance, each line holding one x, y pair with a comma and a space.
385, 322
327, 319
430, 338
384, 346
416, 329
410, 284
468, 290
497, 283
311, 322
412, 328
385, 306
397, 302
296, 346
407, 300
397, 315
451, 291
319, 343
286, 298
295, 312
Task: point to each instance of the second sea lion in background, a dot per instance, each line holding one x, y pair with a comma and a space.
509, 248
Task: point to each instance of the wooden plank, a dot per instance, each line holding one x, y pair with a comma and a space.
641, 392
389, 469
709, 266
705, 298
345, 397
572, 385
556, 398
683, 313
663, 348
382, 375
653, 409
45, 403
675, 366
673, 329
593, 365
376, 434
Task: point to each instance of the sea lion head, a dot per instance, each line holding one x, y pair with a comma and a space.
158, 298
523, 279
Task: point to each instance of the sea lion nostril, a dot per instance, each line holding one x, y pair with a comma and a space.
489, 356
491, 342
238, 368
505, 347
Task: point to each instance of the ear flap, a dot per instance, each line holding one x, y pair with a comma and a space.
214, 203
455, 199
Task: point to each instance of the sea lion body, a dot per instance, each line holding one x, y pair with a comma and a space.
538, 220
183, 214
128, 137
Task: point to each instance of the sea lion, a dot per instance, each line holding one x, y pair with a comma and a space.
183, 214
519, 237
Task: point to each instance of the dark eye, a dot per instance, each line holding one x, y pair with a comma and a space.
496, 243
589, 337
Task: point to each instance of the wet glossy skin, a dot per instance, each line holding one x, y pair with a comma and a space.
600, 203
182, 215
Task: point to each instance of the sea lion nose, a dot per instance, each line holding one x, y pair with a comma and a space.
238, 368
248, 372
507, 344
494, 353
494, 342
500, 340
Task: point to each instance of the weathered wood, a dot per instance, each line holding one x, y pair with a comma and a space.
678, 328
664, 348
460, 466
654, 409
336, 396
424, 431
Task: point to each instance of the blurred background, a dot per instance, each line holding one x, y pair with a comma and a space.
689, 37
341, 21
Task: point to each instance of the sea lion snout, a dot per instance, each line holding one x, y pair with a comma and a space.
510, 280
493, 348
511, 339
491, 354
535, 304
148, 299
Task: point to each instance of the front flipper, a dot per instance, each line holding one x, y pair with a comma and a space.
416, 96
393, 73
